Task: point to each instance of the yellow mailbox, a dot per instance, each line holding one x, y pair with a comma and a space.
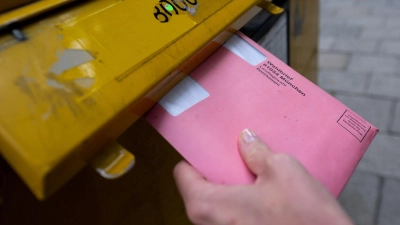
84, 72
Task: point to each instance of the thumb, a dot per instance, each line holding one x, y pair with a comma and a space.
189, 181
254, 151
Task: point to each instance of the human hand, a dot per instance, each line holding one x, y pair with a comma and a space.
283, 193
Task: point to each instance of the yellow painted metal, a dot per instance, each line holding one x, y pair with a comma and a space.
271, 7
28, 11
113, 161
85, 74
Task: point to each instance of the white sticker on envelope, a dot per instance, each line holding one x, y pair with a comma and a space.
184, 95
244, 50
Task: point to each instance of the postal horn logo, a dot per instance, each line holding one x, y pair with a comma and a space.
165, 9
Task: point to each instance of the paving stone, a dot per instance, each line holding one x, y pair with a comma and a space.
336, 61
375, 111
341, 13
326, 43
393, 22
357, 34
327, 11
351, 12
381, 3
337, 4
380, 33
341, 81
385, 85
374, 63
359, 198
395, 4
389, 213
341, 31
391, 47
354, 45
396, 120
382, 156
386, 11
328, 21
368, 21
357, 22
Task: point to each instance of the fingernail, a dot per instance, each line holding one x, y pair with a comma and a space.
248, 136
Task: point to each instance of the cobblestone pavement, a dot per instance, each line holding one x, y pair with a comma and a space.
359, 64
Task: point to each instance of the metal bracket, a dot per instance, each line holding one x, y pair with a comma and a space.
271, 7
113, 161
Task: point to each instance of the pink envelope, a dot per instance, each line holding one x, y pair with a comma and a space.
243, 86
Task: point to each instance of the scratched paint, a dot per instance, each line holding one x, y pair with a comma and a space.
56, 95
57, 85
192, 10
47, 114
70, 58
86, 82
25, 83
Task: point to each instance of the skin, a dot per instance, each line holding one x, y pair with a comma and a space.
284, 192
